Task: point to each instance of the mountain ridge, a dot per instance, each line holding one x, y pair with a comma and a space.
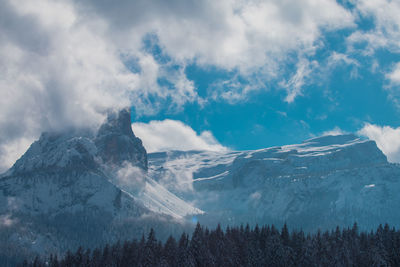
70, 186
326, 178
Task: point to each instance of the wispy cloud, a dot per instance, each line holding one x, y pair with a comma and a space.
294, 85
394, 75
384, 32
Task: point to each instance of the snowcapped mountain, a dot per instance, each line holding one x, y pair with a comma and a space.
320, 183
82, 188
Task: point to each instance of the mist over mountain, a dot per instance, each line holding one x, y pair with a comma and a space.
68, 190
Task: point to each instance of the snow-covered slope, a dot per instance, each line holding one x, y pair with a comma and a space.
77, 187
322, 182
158, 199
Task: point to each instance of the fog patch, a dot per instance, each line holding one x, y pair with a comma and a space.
131, 178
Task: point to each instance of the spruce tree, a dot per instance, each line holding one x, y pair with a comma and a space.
150, 257
170, 252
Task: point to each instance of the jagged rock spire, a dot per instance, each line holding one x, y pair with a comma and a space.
117, 122
116, 142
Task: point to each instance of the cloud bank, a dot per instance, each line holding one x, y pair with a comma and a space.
174, 135
64, 63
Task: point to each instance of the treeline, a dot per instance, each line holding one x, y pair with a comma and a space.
245, 246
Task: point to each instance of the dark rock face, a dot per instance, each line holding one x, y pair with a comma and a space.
116, 143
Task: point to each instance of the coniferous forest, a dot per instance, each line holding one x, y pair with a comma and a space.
244, 246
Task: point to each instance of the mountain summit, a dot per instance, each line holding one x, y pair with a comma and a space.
116, 143
67, 191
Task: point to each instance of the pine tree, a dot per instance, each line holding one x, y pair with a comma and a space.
78, 257
150, 250
170, 252
86, 258
285, 235
184, 256
116, 254
37, 262
197, 246
126, 254
96, 257
68, 259
53, 262
106, 260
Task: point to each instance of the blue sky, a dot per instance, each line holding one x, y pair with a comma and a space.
212, 75
265, 119
339, 96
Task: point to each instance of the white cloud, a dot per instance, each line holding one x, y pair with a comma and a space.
386, 138
10, 150
394, 75
385, 33
174, 135
131, 178
226, 33
338, 59
56, 75
294, 85
253, 37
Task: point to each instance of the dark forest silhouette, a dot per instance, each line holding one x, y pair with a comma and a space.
245, 246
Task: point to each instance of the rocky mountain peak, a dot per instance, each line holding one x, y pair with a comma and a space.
116, 142
118, 123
